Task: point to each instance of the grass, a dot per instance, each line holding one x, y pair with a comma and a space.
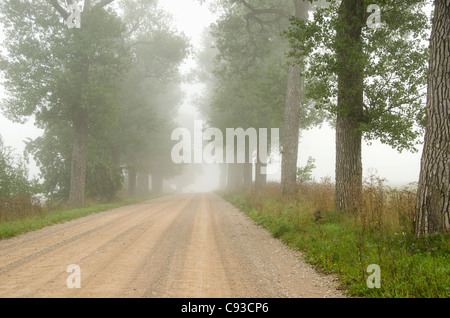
345, 245
32, 221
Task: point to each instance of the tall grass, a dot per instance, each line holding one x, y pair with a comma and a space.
22, 220
346, 244
19, 206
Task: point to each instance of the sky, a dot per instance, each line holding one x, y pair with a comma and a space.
397, 168
192, 18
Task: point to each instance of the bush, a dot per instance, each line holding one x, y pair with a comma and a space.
16, 190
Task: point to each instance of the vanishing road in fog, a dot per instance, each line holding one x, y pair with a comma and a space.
188, 245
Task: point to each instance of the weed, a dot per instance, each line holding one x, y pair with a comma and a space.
345, 244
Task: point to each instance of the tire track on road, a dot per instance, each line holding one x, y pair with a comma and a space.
35, 269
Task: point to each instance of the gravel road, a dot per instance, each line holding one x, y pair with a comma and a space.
188, 245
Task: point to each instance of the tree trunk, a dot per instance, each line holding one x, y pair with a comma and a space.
292, 117
157, 183
223, 176
433, 196
350, 73
239, 176
143, 183
348, 165
260, 178
115, 156
79, 160
248, 175
132, 178
231, 179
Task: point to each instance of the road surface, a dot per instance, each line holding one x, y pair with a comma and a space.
188, 245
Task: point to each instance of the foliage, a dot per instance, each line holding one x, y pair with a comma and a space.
16, 189
246, 56
345, 245
114, 72
395, 68
14, 175
305, 173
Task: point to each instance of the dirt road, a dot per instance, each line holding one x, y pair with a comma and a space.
190, 245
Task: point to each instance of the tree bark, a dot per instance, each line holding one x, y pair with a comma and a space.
350, 73
79, 159
291, 124
348, 165
433, 196
260, 178
247, 173
132, 181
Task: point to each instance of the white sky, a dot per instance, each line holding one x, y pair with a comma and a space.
191, 18
397, 168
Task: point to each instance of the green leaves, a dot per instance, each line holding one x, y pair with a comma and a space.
14, 179
395, 68
113, 74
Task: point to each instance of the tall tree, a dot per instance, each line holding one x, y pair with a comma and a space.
71, 74
86, 41
247, 35
369, 79
433, 196
150, 94
107, 81
291, 125
350, 104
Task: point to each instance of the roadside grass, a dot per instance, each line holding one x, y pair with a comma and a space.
345, 245
31, 221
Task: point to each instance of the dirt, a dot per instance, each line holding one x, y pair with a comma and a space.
189, 245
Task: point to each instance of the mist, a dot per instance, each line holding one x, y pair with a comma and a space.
192, 96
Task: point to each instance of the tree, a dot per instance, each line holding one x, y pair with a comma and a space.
86, 50
369, 80
291, 124
149, 94
99, 92
245, 90
71, 75
252, 64
350, 104
433, 196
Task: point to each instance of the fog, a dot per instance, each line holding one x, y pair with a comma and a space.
397, 168
192, 18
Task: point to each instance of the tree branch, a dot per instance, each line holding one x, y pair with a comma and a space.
104, 3
59, 8
255, 11
139, 43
